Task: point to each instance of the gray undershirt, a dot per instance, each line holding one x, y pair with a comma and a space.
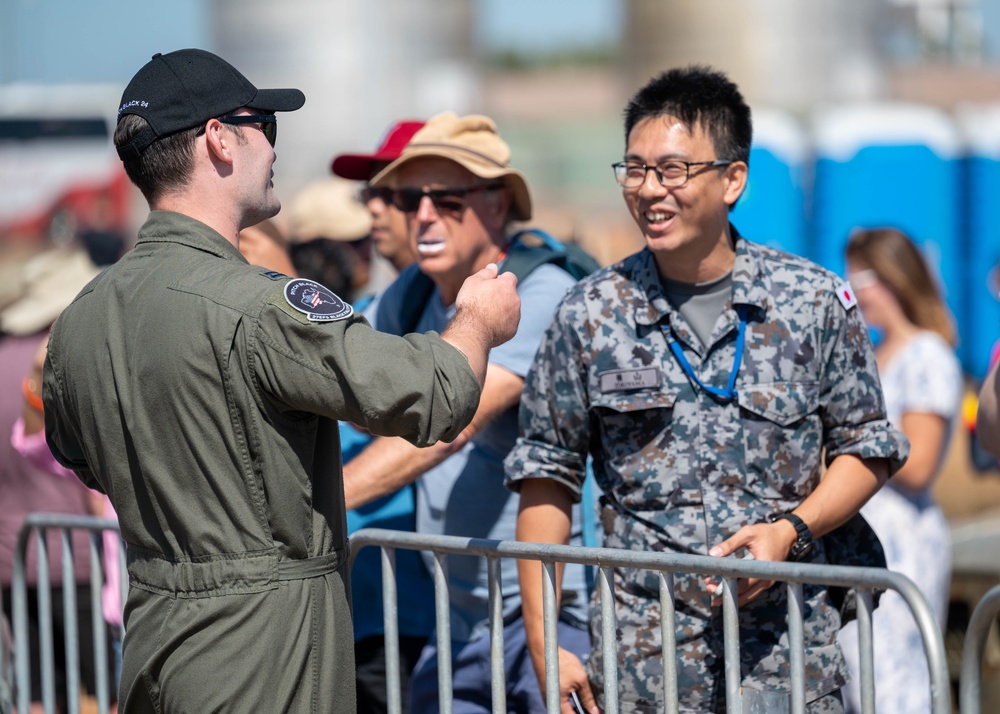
700, 304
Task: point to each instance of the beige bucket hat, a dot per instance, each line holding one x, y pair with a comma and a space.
328, 208
49, 282
472, 142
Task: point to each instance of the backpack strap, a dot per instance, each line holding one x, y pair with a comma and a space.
417, 289
522, 258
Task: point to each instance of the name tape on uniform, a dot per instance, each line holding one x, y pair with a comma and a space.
620, 380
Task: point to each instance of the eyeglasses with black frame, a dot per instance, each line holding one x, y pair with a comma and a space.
445, 200
670, 174
268, 124
369, 193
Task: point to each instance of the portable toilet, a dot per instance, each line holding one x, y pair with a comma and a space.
772, 207
891, 164
980, 128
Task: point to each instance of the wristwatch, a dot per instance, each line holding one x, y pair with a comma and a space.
804, 544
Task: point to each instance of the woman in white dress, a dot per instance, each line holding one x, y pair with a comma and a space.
922, 382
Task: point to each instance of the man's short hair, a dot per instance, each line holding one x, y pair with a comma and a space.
164, 165
698, 96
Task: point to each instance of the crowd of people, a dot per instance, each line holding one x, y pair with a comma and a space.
244, 394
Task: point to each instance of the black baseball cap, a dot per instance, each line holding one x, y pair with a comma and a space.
185, 88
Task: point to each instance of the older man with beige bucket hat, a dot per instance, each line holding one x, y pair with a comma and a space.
455, 183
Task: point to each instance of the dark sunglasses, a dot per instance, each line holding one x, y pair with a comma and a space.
268, 124
445, 200
369, 193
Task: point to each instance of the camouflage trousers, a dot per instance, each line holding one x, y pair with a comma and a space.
764, 669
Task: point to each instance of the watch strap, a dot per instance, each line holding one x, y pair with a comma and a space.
804, 543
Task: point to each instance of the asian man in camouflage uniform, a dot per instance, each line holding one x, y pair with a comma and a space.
707, 376
202, 395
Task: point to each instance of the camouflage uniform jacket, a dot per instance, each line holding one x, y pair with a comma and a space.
699, 468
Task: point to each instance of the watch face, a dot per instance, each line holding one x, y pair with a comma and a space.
801, 549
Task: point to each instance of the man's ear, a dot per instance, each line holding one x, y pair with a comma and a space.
736, 182
219, 141
498, 206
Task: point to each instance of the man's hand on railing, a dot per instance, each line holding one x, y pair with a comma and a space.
762, 541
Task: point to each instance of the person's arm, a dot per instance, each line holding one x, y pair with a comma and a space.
848, 484
545, 516
860, 445
32, 410
988, 413
389, 463
927, 433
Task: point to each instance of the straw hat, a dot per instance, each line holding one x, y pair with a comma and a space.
49, 283
472, 142
328, 209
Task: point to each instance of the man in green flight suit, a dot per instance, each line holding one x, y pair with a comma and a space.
202, 395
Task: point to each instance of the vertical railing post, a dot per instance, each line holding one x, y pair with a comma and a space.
796, 648
668, 635
731, 645
609, 636
390, 620
443, 615
550, 617
497, 677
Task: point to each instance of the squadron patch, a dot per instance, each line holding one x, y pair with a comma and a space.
318, 303
846, 296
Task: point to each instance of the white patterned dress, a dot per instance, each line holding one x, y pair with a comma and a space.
923, 377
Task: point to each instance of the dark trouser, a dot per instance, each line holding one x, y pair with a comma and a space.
369, 661
471, 674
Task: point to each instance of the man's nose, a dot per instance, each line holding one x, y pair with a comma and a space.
426, 211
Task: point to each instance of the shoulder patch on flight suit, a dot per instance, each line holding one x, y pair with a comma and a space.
274, 275
318, 303
846, 296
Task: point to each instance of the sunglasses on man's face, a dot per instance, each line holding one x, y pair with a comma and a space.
445, 200
268, 124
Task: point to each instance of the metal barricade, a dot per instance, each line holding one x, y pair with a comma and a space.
6, 663
976, 635
794, 575
40, 524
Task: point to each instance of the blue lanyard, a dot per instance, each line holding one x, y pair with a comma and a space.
729, 393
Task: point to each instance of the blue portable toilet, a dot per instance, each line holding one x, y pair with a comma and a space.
772, 207
980, 129
891, 164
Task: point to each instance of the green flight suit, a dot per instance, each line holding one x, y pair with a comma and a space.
183, 384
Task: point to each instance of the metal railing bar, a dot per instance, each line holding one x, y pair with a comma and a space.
390, 600
796, 647
550, 618
497, 678
866, 638
976, 635
668, 636
442, 611
70, 638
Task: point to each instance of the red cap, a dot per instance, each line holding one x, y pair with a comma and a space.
361, 167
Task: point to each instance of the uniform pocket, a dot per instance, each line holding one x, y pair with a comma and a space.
636, 436
782, 438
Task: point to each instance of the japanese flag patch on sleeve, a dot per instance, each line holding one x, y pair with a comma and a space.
318, 303
846, 295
